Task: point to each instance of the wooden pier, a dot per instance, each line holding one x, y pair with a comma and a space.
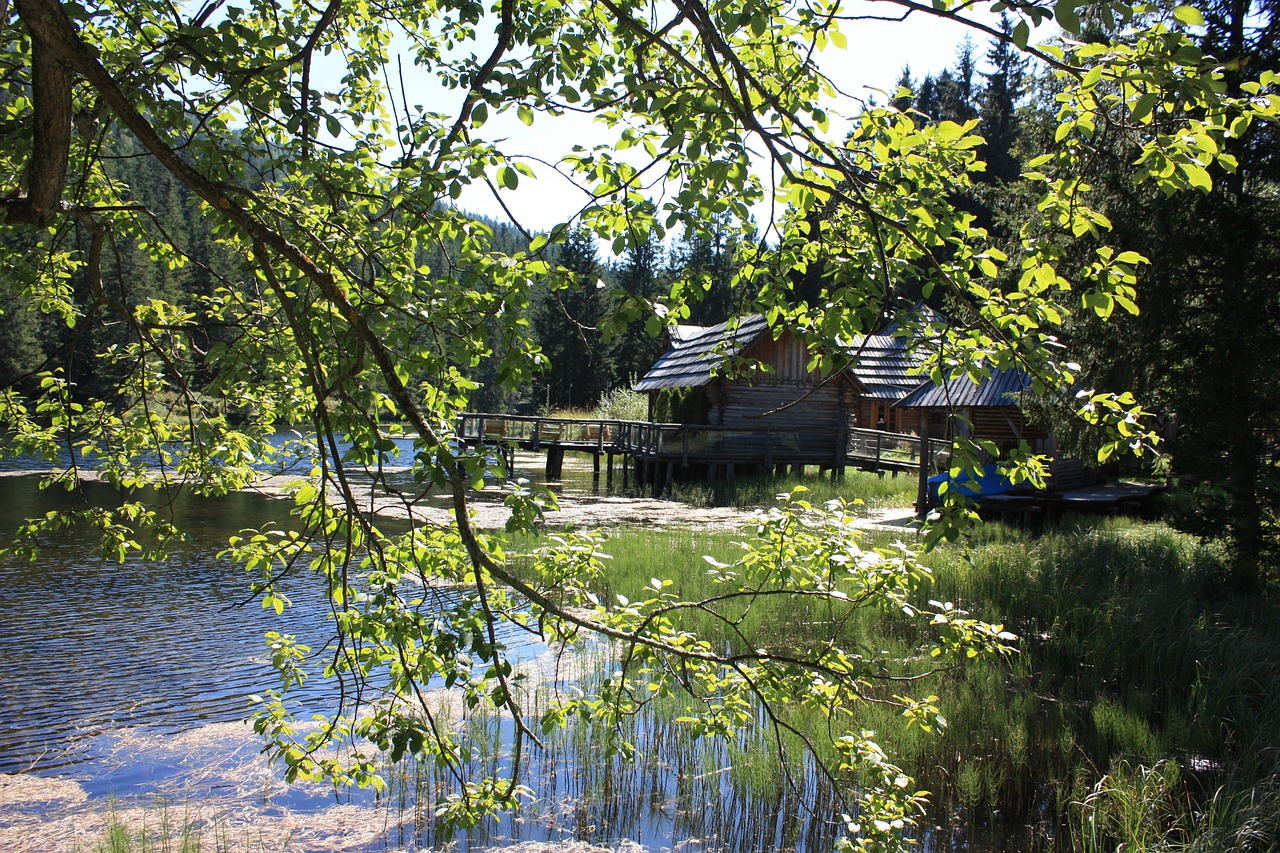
654, 455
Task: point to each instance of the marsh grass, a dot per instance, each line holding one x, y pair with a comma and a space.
741, 794
1143, 687
160, 829
1139, 713
762, 490
1143, 684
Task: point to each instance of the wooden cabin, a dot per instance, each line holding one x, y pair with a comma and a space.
738, 376
882, 373
989, 410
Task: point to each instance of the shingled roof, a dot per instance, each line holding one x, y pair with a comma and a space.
1000, 389
697, 352
882, 365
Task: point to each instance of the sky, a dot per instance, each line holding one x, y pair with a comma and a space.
871, 65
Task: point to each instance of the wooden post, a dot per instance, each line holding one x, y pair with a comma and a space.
922, 490
842, 445
555, 462
671, 466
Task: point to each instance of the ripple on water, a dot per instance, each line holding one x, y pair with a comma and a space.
92, 646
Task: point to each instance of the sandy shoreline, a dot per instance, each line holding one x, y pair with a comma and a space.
576, 507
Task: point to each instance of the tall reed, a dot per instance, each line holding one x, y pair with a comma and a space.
1133, 654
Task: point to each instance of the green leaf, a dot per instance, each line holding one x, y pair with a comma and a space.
1189, 15
1064, 11
1021, 33
1198, 176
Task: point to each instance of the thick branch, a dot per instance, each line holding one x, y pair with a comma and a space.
51, 79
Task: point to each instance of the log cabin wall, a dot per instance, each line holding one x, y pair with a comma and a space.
1000, 425
791, 398
787, 356
882, 414
1005, 425
770, 406
812, 427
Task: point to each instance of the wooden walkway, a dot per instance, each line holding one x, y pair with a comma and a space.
656, 453
653, 456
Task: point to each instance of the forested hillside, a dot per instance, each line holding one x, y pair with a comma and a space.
596, 324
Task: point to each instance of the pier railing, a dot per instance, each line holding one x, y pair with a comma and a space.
896, 449
686, 443
534, 432
681, 442
694, 443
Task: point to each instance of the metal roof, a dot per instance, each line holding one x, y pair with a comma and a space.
696, 352
1000, 389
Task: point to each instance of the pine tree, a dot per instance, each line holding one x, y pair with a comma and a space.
999, 113
567, 323
1202, 350
640, 279
927, 103
705, 258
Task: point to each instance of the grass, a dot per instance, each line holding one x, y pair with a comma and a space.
163, 828
1140, 709
1144, 686
159, 830
755, 491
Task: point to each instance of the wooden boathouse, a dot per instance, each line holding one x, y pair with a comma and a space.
736, 397
752, 387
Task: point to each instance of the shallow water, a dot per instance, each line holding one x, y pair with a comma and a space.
92, 646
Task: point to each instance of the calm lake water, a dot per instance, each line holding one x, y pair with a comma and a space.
112, 672
92, 645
